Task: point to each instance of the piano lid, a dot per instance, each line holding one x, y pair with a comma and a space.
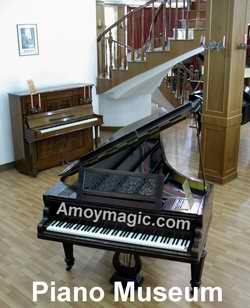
132, 134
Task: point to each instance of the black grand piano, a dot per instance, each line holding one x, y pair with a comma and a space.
125, 197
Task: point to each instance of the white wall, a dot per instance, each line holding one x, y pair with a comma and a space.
67, 44
124, 111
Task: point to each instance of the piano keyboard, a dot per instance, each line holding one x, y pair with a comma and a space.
54, 128
116, 235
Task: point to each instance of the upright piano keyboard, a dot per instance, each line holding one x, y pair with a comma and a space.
125, 197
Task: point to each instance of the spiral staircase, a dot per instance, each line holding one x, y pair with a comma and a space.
135, 53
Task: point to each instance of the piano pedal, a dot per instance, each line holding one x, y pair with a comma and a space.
137, 280
127, 271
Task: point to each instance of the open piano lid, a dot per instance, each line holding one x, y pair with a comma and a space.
132, 134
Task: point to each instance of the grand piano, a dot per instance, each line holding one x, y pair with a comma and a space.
125, 197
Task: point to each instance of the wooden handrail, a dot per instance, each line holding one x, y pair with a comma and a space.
155, 20
101, 35
123, 45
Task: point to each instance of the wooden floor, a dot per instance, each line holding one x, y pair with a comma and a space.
24, 258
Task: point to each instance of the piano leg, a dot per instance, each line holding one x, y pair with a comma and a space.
69, 257
96, 137
196, 271
128, 270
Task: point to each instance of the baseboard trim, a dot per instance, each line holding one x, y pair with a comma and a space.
7, 166
220, 180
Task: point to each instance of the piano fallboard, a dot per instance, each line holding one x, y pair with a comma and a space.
59, 122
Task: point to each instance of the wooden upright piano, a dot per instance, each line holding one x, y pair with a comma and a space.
53, 126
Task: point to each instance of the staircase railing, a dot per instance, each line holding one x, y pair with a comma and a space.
167, 16
182, 81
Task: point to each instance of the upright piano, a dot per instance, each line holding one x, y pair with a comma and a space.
52, 126
124, 196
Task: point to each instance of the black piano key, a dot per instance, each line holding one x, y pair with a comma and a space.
117, 231
153, 238
88, 228
124, 233
113, 232
96, 229
135, 235
107, 231
166, 240
103, 230
120, 232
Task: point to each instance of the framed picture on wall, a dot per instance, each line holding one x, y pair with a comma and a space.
27, 39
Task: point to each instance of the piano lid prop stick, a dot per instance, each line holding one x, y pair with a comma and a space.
188, 194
